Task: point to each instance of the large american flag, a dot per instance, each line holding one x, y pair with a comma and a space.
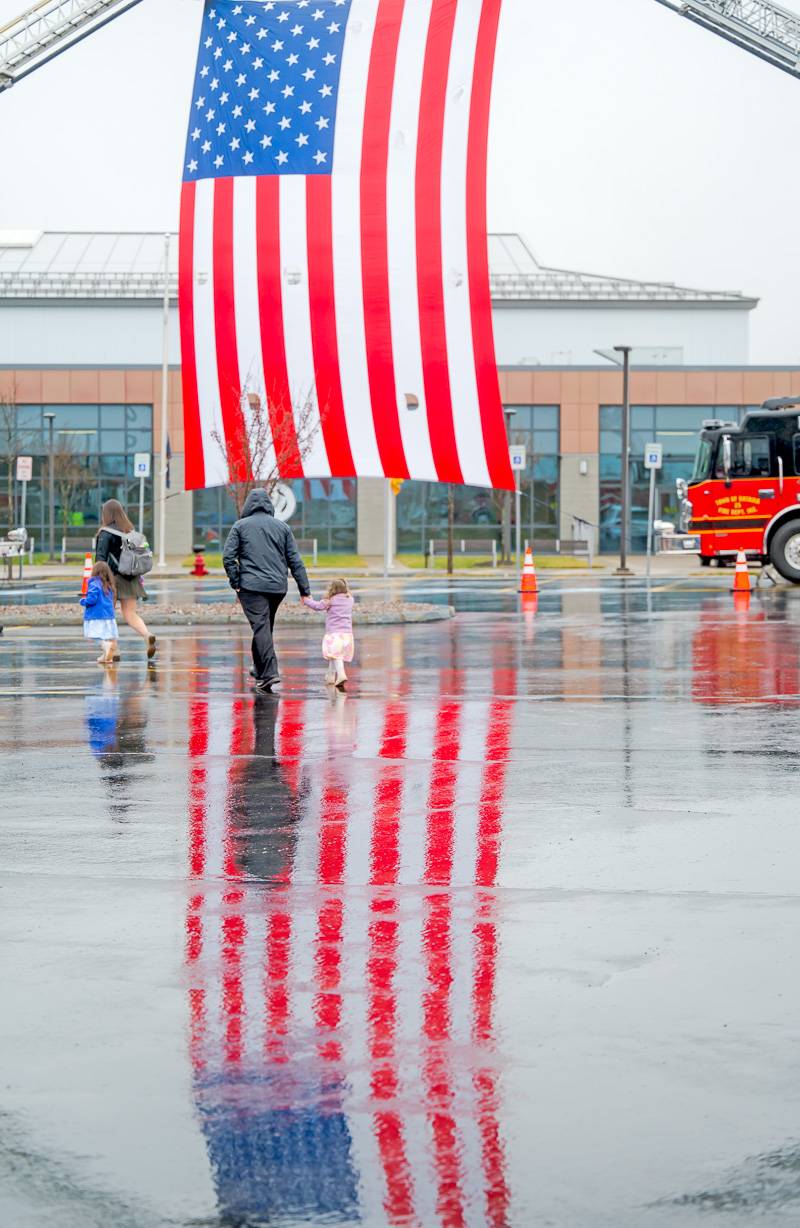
333, 263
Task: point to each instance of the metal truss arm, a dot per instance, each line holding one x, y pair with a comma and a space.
49, 28
766, 30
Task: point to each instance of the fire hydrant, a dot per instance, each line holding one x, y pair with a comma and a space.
200, 568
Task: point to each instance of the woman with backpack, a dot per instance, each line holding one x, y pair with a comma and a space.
114, 527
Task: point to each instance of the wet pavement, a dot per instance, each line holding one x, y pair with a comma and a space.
507, 935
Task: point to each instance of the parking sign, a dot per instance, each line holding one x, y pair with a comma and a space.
653, 456
518, 457
141, 465
24, 468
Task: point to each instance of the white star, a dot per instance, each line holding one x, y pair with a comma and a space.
250, 125
301, 139
277, 45
274, 75
297, 30
283, 16
221, 128
248, 158
215, 84
253, 95
263, 34
217, 53
241, 79
269, 7
305, 107
326, 91
285, 123
334, 27
309, 74
209, 42
245, 49
318, 14
218, 161
205, 70
312, 44
192, 167
251, 21
221, 24
320, 157
281, 158
259, 63
237, 10
228, 65
233, 37
210, 114
235, 143
212, 14
201, 102
329, 59
269, 108
292, 59
266, 141
206, 147
196, 134
223, 98
322, 122
237, 112
288, 91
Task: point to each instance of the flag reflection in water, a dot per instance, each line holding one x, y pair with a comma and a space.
341, 943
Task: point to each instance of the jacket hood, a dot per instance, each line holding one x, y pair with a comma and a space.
258, 501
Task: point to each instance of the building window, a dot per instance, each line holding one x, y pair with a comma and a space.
326, 511
93, 451
676, 427
422, 506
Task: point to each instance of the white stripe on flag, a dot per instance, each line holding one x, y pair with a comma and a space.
297, 324
455, 266
346, 211
402, 239
248, 327
205, 335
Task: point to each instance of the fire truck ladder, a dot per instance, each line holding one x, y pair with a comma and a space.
47, 29
767, 30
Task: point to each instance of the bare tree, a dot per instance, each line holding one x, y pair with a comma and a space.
71, 477
12, 445
269, 442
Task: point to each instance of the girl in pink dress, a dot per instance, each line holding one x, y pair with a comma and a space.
338, 644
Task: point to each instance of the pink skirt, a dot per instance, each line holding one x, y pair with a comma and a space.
339, 646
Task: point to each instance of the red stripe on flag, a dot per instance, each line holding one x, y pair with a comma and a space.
492, 420
374, 238
230, 389
436, 372
273, 345
195, 473
324, 337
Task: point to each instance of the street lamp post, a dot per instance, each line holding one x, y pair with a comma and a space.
625, 351
509, 413
50, 419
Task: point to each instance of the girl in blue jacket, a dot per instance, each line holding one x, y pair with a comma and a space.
99, 622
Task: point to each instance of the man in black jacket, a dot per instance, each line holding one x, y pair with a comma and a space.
259, 553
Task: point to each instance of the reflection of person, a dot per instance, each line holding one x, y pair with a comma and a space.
99, 622
259, 554
114, 523
116, 723
338, 643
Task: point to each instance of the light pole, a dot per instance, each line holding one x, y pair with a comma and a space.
509, 413
50, 419
162, 482
625, 351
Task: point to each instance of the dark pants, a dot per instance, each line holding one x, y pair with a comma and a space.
261, 609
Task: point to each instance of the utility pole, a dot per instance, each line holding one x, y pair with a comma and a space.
623, 569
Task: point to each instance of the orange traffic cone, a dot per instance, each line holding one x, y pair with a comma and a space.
741, 581
741, 601
87, 574
529, 583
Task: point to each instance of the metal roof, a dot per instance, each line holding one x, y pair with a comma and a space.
37, 265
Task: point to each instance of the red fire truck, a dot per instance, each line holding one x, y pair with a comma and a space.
744, 493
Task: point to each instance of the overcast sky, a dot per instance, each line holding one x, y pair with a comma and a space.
624, 140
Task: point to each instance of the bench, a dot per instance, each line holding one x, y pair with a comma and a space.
575, 546
76, 545
14, 547
475, 547
309, 545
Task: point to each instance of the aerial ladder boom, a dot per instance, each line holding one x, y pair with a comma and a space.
48, 28
766, 30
